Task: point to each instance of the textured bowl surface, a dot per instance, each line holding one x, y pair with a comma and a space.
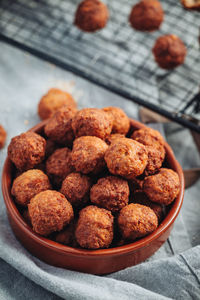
90, 261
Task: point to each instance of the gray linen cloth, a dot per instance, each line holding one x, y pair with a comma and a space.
174, 270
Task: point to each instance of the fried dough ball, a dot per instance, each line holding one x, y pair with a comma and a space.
3, 136
121, 123
191, 4
169, 51
94, 228
126, 158
29, 184
136, 221
50, 147
53, 101
92, 122
154, 143
49, 211
27, 150
67, 235
59, 126
58, 165
140, 197
147, 15
113, 137
163, 187
111, 193
88, 154
76, 188
91, 15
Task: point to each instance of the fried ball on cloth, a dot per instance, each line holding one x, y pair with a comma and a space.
3, 135
163, 187
140, 197
147, 15
27, 150
91, 15
49, 211
88, 154
121, 122
59, 126
169, 51
111, 193
126, 158
76, 188
29, 184
136, 221
53, 101
58, 165
94, 228
92, 122
154, 143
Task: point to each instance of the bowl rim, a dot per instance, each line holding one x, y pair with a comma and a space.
63, 249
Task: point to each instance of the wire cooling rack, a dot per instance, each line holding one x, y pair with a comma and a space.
118, 57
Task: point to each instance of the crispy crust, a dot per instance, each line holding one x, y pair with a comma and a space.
111, 193
169, 51
136, 221
27, 150
76, 188
58, 165
59, 126
113, 137
91, 15
3, 135
92, 122
163, 187
147, 15
67, 235
29, 184
53, 101
49, 211
88, 154
94, 228
121, 122
126, 158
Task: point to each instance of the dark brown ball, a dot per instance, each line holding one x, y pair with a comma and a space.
27, 150
147, 15
169, 51
94, 228
91, 15
121, 122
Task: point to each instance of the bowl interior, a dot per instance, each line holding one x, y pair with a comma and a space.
171, 215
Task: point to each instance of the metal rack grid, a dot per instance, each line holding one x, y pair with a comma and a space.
118, 57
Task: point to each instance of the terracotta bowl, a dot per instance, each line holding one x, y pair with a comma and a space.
90, 261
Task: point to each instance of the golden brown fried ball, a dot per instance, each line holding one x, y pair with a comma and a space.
91, 15
136, 221
49, 211
67, 235
27, 150
58, 165
154, 143
94, 228
169, 51
147, 15
113, 137
126, 158
111, 193
163, 187
92, 122
59, 127
121, 122
191, 4
29, 184
140, 197
76, 188
3, 135
88, 154
53, 101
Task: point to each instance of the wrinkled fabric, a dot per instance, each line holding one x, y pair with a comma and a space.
173, 272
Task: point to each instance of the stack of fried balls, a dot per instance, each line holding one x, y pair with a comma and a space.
88, 180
